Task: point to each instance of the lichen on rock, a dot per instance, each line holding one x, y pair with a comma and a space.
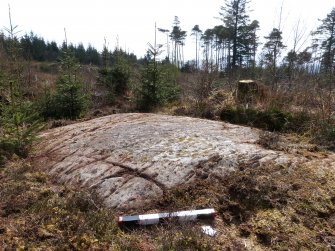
130, 159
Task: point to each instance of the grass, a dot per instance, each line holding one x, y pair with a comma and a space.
268, 207
300, 110
36, 214
274, 207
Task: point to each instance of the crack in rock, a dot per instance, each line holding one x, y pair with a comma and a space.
130, 159
136, 173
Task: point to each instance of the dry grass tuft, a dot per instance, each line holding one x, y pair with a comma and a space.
271, 206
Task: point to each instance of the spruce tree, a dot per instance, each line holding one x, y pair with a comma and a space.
18, 120
69, 101
115, 76
157, 84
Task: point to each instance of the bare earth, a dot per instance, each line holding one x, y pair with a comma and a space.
129, 159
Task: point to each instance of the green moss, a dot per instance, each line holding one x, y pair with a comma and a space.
276, 229
272, 120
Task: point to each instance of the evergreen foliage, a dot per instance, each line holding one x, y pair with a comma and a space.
157, 84
36, 48
19, 122
120, 73
325, 40
19, 125
240, 33
92, 56
178, 37
117, 76
68, 101
197, 33
273, 48
272, 119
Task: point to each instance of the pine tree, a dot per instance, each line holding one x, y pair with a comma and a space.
325, 39
207, 40
235, 17
273, 47
251, 43
197, 33
166, 31
178, 37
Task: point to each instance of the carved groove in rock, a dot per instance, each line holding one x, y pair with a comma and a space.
129, 159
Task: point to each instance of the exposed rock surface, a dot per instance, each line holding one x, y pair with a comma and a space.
129, 159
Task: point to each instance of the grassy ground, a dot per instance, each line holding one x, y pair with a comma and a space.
277, 207
264, 208
37, 214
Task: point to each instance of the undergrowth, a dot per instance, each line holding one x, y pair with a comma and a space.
298, 111
278, 207
36, 214
268, 206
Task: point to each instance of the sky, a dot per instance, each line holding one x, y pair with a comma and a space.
131, 23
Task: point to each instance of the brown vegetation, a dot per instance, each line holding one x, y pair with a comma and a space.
262, 207
266, 207
276, 207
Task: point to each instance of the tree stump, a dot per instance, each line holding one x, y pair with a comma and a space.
248, 91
